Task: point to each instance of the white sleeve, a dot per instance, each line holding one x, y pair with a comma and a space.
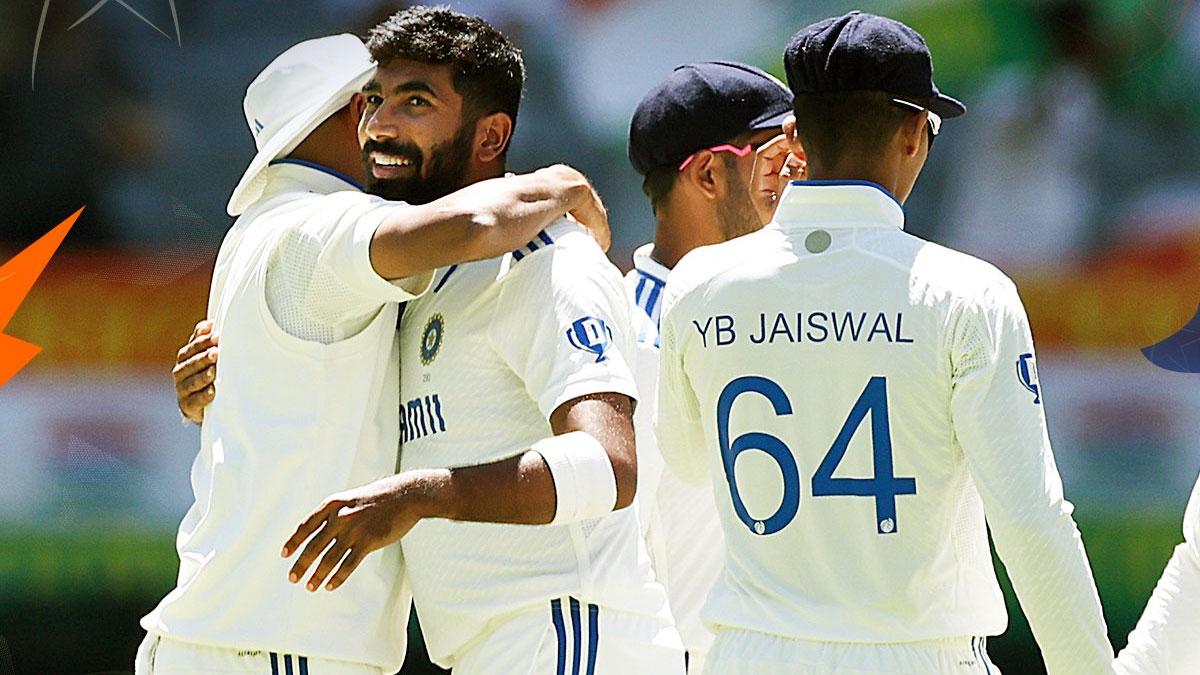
320, 281
1167, 637
561, 323
678, 424
1000, 425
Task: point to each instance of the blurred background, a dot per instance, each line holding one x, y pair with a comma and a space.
1077, 171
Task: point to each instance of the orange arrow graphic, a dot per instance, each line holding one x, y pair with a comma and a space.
17, 277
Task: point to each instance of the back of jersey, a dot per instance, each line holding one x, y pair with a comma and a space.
851, 390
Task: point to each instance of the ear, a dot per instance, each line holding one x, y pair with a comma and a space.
358, 106
706, 172
911, 135
793, 136
492, 136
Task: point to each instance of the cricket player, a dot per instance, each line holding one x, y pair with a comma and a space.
692, 138
859, 399
514, 375
305, 296
1167, 638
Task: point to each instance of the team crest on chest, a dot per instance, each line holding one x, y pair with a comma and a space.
431, 338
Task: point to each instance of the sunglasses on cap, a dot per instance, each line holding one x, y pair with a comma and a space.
935, 120
740, 152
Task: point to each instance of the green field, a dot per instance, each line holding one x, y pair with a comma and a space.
70, 599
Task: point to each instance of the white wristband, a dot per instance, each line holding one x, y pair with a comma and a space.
584, 482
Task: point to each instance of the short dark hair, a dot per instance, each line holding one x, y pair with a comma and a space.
489, 72
831, 126
659, 181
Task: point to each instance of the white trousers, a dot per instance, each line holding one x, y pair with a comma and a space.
570, 637
750, 653
158, 656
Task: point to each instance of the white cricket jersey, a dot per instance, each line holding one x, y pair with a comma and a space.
490, 353
859, 398
1167, 637
295, 421
679, 520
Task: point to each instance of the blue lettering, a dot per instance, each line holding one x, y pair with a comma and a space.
846, 325
823, 327
725, 327
703, 331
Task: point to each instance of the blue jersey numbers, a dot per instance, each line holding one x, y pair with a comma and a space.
883, 486
758, 441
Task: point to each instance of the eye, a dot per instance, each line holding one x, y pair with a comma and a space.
374, 100
418, 101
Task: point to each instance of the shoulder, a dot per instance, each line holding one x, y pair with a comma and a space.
938, 274
561, 256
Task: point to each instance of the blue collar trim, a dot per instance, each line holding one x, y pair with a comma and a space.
866, 183
319, 167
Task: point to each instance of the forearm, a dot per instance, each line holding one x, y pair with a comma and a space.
516, 490
480, 221
1048, 565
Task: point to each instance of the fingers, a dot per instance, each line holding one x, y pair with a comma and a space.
331, 558
196, 346
314, 521
770, 163
347, 567
594, 217
196, 373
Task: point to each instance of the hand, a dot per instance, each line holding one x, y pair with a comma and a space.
353, 523
774, 166
591, 214
195, 371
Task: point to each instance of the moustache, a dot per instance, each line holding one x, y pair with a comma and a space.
407, 150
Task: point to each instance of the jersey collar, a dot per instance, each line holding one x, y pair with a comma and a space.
836, 204
644, 263
310, 175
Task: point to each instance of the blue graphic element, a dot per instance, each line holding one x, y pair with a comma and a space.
1027, 374
593, 637
431, 339
560, 631
790, 504
591, 335
884, 486
577, 635
1179, 353
449, 271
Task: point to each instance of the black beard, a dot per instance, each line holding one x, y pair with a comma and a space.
447, 169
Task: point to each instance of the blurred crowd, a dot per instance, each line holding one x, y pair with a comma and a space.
1083, 129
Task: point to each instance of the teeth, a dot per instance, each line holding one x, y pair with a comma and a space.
391, 160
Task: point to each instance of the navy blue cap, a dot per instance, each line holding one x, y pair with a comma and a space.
701, 105
865, 52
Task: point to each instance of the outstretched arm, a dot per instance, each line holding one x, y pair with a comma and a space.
484, 220
597, 431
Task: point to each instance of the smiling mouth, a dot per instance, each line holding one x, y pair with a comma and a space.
385, 164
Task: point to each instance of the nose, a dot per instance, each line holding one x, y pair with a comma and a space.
379, 124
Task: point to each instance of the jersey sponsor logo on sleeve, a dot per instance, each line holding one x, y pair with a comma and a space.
591, 335
1027, 374
431, 338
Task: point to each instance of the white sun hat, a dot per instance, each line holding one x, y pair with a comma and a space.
293, 95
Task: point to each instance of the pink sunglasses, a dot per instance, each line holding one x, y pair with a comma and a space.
740, 152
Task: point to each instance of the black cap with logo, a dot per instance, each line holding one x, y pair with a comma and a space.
701, 105
865, 52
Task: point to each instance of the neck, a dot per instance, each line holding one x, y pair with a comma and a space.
885, 176
676, 233
478, 172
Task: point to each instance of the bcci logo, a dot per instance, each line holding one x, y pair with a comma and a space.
431, 339
591, 335
1027, 374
